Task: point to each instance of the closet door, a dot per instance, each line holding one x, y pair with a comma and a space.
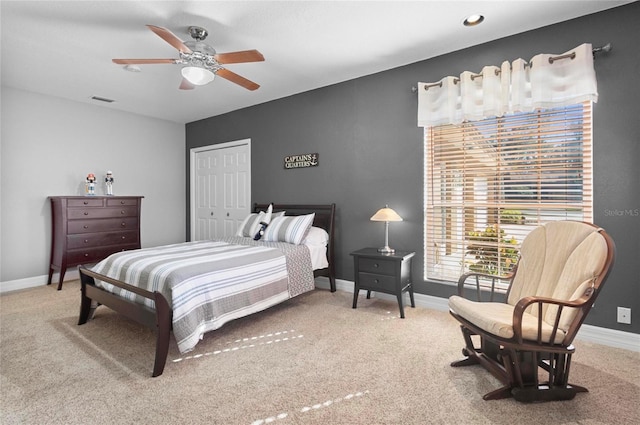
220, 189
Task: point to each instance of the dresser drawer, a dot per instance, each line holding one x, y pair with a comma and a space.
104, 225
93, 255
376, 282
115, 202
101, 239
81, 213
85, 202
377, 266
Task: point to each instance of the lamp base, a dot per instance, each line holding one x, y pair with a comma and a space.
386, 250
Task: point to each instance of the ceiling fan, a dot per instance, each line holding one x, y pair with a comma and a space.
201, 61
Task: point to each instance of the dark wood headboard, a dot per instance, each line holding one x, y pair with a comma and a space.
324, 218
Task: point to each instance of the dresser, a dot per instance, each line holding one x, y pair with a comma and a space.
86, 229
388, 273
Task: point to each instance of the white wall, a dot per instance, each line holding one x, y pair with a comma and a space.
47, 147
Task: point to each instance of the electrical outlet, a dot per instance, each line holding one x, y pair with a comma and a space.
624, 315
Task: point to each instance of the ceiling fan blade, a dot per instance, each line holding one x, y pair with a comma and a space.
186, 85
239, 57
235, 78
170, 38
142, 61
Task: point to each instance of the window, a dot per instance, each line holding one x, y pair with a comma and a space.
489, 182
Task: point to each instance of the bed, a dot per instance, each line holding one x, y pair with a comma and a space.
195, 287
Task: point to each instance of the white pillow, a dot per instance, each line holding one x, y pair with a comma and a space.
267, 217
289, 229
251, 224
316, 236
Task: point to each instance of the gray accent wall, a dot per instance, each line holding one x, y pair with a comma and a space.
371, 151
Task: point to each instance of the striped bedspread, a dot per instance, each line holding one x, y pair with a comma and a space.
209, 283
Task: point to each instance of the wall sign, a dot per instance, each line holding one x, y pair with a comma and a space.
301, 161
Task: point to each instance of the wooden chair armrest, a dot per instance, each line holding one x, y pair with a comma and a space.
524, 303
478, 288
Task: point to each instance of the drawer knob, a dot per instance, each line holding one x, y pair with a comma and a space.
85, 226
123, 224
86, 241
86, 255
86, 202
376, 281
376, 265
86, 213
123, 212
122, 202
123, 238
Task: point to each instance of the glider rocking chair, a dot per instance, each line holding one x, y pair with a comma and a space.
526, 342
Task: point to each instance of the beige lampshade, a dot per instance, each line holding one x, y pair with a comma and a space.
386, 214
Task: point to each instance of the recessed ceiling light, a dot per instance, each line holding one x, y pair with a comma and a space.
473, 20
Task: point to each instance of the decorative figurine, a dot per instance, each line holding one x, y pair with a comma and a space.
108, 181
91, 184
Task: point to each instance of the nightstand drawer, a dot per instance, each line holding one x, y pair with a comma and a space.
376, 282
377, 266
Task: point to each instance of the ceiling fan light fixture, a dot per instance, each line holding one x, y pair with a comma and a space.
197, 75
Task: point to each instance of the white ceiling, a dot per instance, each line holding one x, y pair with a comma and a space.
64, 48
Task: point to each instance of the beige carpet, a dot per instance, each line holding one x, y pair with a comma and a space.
311, 360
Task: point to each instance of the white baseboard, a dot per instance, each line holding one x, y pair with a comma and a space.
32, 282
609, 337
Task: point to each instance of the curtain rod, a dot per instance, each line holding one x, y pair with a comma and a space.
606, 48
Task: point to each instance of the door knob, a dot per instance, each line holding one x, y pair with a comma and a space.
212, 213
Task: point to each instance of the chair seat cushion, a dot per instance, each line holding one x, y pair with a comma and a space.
497, 319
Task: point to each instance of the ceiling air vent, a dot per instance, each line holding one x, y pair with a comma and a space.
102, 99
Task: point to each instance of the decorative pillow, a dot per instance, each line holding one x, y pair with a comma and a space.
251, 224
289, 229
263, 223
316, 236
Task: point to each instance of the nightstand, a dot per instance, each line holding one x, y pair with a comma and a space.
388, 273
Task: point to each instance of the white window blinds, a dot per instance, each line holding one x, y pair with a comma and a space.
489, 182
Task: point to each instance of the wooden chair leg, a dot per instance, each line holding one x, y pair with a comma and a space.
518, 370
468, 361
499, 394
469, 350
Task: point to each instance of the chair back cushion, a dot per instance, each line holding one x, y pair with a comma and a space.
558, 260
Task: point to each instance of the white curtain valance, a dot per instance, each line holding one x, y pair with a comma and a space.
547, 80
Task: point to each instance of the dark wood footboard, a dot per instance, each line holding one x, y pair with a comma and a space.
158, 319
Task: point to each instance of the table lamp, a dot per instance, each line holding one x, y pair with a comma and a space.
386, 214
